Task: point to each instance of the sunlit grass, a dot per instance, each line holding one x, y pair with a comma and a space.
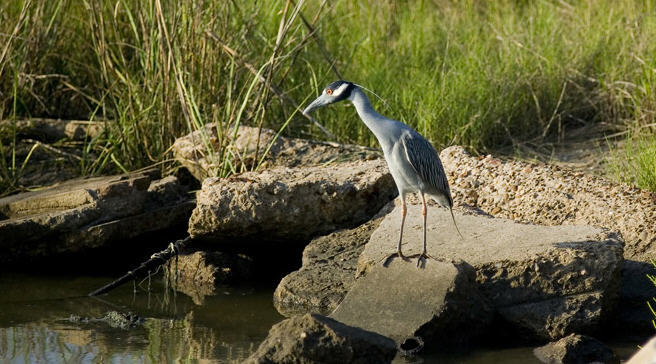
635, 163
479, 74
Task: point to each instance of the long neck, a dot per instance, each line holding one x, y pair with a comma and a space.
373, 120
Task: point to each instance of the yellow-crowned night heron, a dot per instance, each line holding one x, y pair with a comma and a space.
412, 160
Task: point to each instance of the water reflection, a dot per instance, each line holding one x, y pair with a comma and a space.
225, 328
34, 325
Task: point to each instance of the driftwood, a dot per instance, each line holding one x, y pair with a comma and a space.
155, 260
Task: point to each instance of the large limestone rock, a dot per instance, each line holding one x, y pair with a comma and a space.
313, 338
291, 203
88, 213
549, 195
327, 273
548, 281
254, 147
439, 303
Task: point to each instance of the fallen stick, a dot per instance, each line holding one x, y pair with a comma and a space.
155, 260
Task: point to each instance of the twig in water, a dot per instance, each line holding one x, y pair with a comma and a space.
156, 259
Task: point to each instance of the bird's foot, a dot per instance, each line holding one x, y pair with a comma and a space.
391, 257
421, 259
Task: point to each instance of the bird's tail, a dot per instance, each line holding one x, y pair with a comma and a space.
456, 225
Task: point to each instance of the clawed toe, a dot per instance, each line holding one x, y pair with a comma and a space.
421, 259
391, 257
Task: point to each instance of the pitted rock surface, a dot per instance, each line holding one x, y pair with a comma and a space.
291, 203
549, 195
575, 349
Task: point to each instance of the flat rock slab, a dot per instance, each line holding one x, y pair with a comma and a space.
313, 338
260, 148
88, 213
548, 281
439, 303
289, 204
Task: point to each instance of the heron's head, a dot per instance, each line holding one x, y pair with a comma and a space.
336, 91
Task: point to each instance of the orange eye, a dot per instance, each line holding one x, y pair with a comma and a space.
329, 91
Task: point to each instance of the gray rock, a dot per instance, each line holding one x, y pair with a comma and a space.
166, 191
327, 273
291, 203
46, 164
439, 303
313, 338
87, 213
549, 195
575, 349
249, 145
200, 272
44, 129
546, 280
646, 355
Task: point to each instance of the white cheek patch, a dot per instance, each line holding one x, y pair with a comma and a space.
338, 91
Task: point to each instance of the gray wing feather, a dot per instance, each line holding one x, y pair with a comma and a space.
426, 162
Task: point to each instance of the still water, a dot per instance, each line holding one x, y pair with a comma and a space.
224, 328
34, 325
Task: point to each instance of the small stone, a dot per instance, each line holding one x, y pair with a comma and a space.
575, 349
201, 272
314, 338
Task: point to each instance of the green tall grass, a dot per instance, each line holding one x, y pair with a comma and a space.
635, 161
480, 74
